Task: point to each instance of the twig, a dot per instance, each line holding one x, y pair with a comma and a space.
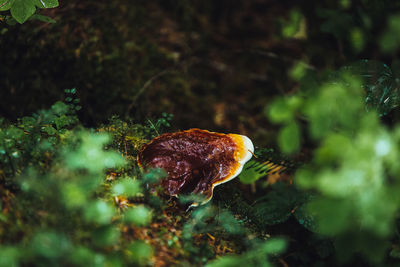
274, 56
284, 264
143, 89
154, 127
182, 65
5, 3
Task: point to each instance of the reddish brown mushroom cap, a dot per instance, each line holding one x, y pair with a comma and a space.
196, 160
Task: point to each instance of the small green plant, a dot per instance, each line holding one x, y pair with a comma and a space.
61, 206
354, 170
255, 251
259, 255
22, 10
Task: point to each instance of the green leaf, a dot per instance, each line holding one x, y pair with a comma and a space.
283, 110
61, 122
274, 245
5, 4
226, 261
83, 256
90, 155
298, 71
390, 40
9, 256
357, 39
140, 253
100, 212
305, 218
126, 187
60, 108
105, 236
42, 18
254, 257
49, 130
229, 223
46, 3
140, 216
332, 215
276, 208
378, 81
293, 27
50, 244
27, 122
14, 133
74, 196
11, 21
252, 171
289, 138
21, 10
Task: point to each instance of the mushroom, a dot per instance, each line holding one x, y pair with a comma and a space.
196, 160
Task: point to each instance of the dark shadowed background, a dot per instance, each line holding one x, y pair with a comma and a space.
212, 64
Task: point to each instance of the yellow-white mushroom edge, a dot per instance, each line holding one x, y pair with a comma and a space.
246, 150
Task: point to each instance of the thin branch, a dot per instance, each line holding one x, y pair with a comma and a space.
143, 89
154, 127
5, 3
273, 55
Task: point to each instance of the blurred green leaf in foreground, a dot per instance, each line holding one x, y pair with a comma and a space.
354, 168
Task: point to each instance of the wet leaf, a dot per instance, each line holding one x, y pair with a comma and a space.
46, 3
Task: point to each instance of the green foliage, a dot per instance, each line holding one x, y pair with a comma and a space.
336, 21
253, 171
278, 205
354, 24
390, 40
289, 138
126, 187
357, 37
140, 253
257, 256
265, 162
75, 196
128, 137
282, 111
354, 167
209, 219
33, 139
160, 124
139, 216
293, 26
298, 71
378, 81
99, 212
63, 211
90, 155
22, 10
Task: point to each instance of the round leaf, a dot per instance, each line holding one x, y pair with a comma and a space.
5, 4
21, 10
289, 138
